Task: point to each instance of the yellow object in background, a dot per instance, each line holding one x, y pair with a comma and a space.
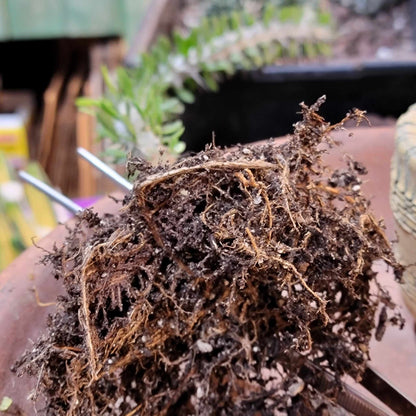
7, 250
41, 206
11, 241
25, 213
13, 137
16, 112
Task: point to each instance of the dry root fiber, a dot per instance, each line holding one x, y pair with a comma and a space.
220, 276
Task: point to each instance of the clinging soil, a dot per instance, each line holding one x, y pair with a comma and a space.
219, 279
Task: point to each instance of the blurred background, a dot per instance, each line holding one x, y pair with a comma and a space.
238, 68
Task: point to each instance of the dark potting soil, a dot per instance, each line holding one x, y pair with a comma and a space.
219, 280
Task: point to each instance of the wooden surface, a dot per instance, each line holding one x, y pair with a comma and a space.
21, 319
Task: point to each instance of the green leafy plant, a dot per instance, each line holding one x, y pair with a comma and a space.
216, 7
140, 111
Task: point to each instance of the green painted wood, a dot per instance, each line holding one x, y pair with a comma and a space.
134, 13
93, 18
4, 20
37, 19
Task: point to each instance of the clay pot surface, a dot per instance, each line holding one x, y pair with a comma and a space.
23, 320
28, 291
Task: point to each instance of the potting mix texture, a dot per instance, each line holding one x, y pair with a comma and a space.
219, 281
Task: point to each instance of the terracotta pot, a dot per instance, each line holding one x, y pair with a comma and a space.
22, 314
23, 320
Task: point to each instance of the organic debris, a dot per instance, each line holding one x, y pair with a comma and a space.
218, 280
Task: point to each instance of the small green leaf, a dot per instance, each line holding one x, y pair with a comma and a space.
324, 49
324, 18
103, 133
129, 125
245, 63
138, 107
290, 13
124, 82
248, 19
310, 50
226, 66
224, 23
206, 31
217, 27
17, 243
106, 123
179, 147
271, 52
180, 43
269, 13
88, 110
172, 127
192, 40
172, 106
217, 66
235, 20
172, 139
278, 50
293, 49
107, 79
164, 43
255, 55
162, 48
107, 106
5, 403
149, 66
236, 57
185, 95
87, 102
116, 155
210, 81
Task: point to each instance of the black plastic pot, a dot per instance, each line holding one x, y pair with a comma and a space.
262, 104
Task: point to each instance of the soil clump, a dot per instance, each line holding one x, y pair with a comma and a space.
220, 280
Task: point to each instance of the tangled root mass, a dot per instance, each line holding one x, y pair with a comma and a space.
218, 279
